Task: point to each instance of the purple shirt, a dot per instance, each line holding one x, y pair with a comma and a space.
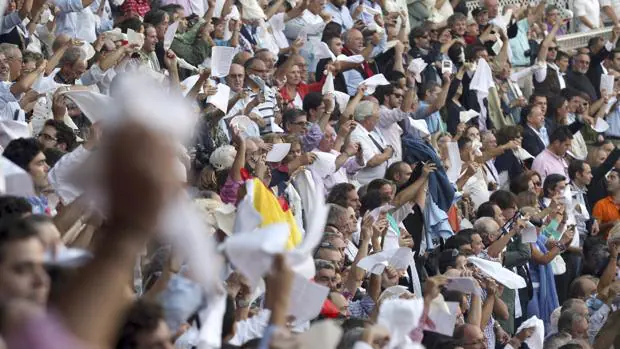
229, 191
547, 163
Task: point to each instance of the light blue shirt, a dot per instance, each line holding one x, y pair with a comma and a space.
519, 44
340, 15
433, 121
9, 22
76, 21
613, 119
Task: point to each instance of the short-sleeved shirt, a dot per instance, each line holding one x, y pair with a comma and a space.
433, 121
606, 210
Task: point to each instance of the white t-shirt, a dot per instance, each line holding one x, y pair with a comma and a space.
591, 9
369, 149
614, 4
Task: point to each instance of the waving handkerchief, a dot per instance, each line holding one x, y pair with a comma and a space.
278, 152
536, 340
10, 130
417, 66
600, 125
483, 77
498, 273
328, 86
399, 258
323, 51
374, 81
465, 116
401, 316
351, 59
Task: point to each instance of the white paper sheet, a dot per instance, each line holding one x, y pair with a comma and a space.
135, 38
307, 299
399, 258
278, 152
443, 317
483, 77
536, 340
324, 165
352, 59
188, 83
275, 128
221, 59
10, 130
601, 125
465, 116
528, 234
323, 51
246, 126
14, 180
94, 105
607, 84
185, 65
416, 66
381, 209
220, 98
456, 164
497, 272
420, 125
251, 253
523, 154
466, 285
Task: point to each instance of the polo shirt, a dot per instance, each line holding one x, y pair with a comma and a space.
547, 163
606, 210
369, 150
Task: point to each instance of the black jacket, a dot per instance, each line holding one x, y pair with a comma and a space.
531, 142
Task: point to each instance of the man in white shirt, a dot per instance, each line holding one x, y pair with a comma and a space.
391, 113
340, 13
588, 13
376, 152
77, 19
611, 11
309, 26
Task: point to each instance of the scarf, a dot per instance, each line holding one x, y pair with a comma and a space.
366, 69
547, 297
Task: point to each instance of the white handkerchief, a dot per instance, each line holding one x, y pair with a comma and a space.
601, 125
443, 316
135, 38
465, 116
185, 65
219, 6
399, 258
483, 77
328, 86
245, 125
523, 154
456, 164
379, 210
251, 253
188, 83
466, 285
275, 128
324, 165
323, 51
607, 84
278, 152
94, 105
14, 180
220, 98
536, 340
308, 298
10, 130
416, 66
497, 272
221, 59
371, 10
528, 234
342, 99
401, 316
389, 45
420, 125
351, 59
321, 335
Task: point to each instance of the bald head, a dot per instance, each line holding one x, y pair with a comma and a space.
354, 41
235, 77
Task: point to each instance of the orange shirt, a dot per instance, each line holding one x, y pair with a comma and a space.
606, 210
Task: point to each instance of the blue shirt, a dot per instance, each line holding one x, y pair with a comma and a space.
613, 119
433, 121
519, 44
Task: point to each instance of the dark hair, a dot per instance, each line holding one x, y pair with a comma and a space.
560, 55
551, 181
22, 151
290, 115
508, 133
64, 133
338, 194
14, 206
393, 76
394, 168
312, 100
561, 134
155, 17
504, 199
554, 103
332, 30
472, 50
377, 183
383, 91
576, 166
38, 219
462, 142
521, 183
143, 316
370, 201
133, 23
428, 86
456, 241
249, 62
171, 8
486, 210
14, 229
466, 234
52, 155
228, 322
447, 259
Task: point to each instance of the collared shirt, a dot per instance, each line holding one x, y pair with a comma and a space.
520, 44
581, 217
372, 144
589, 9
606, 210
613, 119
542, 134
389, 129
76, 21
340, 15
547, 163
433, 121
310, 26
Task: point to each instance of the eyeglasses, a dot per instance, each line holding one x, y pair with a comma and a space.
47, 137
398, 95
553, 49
536, 184
301, 123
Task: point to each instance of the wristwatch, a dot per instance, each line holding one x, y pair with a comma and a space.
243, 303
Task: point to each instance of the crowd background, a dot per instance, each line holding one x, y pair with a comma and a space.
309, 174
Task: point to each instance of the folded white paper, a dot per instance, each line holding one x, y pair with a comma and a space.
607, 84
188, 83
498, 273
528, 234
10, 130
307, 297
465, 116
483, 77
536, 340
379, 210
466, 285
278, 152
221, 59
601, 125
416, 66
523, 154
246, 126
342, 99
420, 125
220, 98
321, 335
399, 258
251, 253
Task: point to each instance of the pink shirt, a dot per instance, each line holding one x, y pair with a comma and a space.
547, 163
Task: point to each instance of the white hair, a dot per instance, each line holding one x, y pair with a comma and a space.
223, 157
364, 110
485, 226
